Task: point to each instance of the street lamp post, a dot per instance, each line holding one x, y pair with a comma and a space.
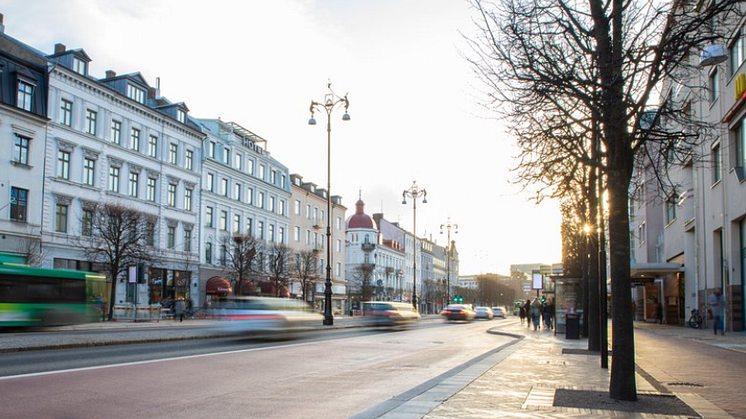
414, 192
331, 101
448, 226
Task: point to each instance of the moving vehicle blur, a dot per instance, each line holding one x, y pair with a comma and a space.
484, 313
389, 313
499, 312
263, 314
459, 312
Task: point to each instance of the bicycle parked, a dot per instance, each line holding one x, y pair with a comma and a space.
696, 320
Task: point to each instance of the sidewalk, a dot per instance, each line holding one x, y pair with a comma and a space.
520, 381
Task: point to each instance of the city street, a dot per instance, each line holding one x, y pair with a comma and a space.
329, 374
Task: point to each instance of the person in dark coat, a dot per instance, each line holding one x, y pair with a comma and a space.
527, 313
521, 313
180, 306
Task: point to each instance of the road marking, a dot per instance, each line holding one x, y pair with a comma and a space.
152, 361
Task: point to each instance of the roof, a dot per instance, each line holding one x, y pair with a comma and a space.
360, 219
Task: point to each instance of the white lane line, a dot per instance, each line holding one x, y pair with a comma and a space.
152, 361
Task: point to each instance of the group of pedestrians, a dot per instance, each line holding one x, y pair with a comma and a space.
537, 312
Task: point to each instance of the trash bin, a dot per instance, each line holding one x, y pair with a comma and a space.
572, 326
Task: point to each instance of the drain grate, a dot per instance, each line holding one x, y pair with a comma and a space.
552, 362
684, 384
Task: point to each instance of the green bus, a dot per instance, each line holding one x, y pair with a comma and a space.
48, 297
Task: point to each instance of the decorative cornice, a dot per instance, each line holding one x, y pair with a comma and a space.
172, 223
62, 199
152, 173
189, 185
65, 145
23, 131
135, 168
113, 161
173, 179
90, 153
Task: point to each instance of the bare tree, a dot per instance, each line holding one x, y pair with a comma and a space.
115, 236
305, 272
240, 253
559, 69
31, 249
278, 256
361, 281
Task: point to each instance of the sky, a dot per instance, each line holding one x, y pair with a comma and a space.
415, 105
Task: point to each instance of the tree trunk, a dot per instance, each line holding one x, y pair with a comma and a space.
623, 385
113, 294
594, 339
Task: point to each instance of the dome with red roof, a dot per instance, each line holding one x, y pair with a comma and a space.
360, 219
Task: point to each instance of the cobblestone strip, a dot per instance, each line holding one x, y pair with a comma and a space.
706, 409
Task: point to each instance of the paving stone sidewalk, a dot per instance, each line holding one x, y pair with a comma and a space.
523, 382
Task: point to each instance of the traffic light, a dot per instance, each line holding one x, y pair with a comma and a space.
543, 299
458, 299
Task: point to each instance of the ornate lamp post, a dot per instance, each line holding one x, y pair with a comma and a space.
448, 226
331, 101
414, 192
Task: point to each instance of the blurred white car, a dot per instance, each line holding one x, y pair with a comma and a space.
389, 313
484, 313
263, 314
499, 312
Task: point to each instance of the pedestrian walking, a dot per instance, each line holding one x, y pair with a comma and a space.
536, 313
179, 310
521, 313
549, 314
527, 312
717, 306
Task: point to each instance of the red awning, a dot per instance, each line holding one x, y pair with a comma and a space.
218, 285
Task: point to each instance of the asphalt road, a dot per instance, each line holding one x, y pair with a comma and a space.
330, 374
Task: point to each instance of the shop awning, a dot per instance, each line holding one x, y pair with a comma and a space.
218, 285
651, 271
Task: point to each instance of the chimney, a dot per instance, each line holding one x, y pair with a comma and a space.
151, 92
110, 74
157, 87
2, 25
59, 48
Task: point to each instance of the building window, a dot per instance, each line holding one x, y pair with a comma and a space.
18, 203
116, 132
153, 146
224, 186
670, 210
238, 161
187, 240
260, 229
237, 191
339, 269
151, 189
208, 253
187, 199
189, 159
281, 235
181, 116
171, 237
171, 195
210, 182
250, 196
272, 204
86, 222
150, 234
260, 201
20, 150
223, 254
250, 166
89, 170
714, 85
25, 95
273, 177
308, 211
281, 209
641, 233
211, 149
79, 66
297, 207
226, 156
173, 150
135, 93
249, 226
134, 184
261, 172
236, 223
60, 218
339, 245
66, 112
91, 118
208, 217
114, 179
717, 161
135, 139
63, 164
339, 223
224, 220
308, 237
296, 234
736, 53
283, 181
740, 144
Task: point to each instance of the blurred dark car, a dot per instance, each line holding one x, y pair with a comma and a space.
499, 312
389, 313
459, 312
484, 313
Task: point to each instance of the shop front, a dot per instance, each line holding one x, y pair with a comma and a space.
658, 292
169, 285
